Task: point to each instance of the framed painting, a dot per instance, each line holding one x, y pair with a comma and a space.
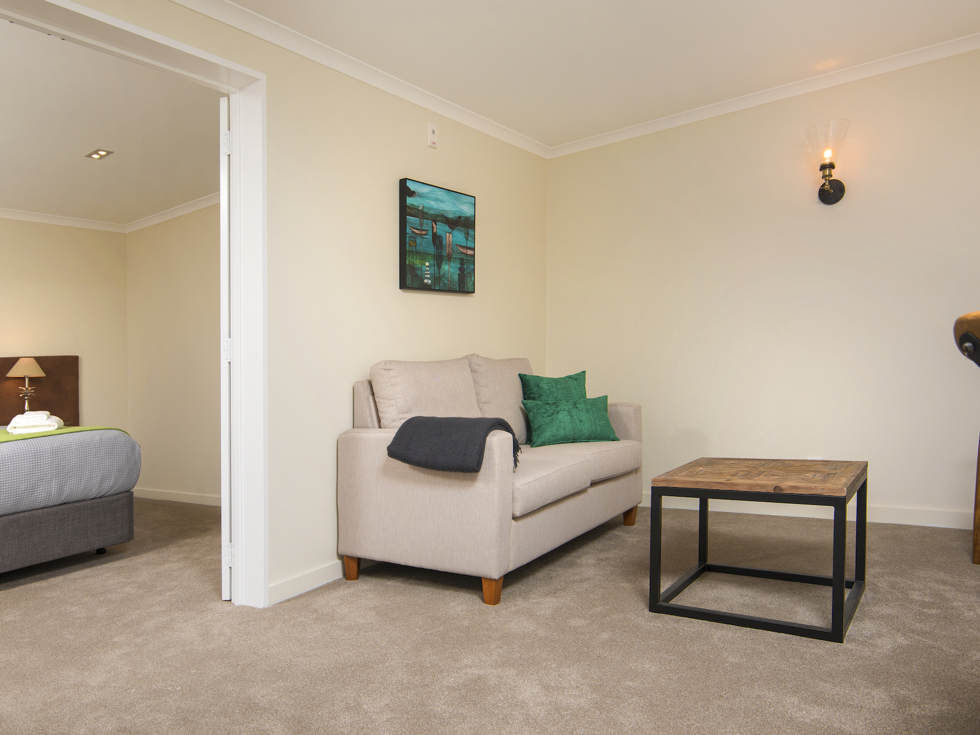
437, 248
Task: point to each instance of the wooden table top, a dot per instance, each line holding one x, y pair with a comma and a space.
797, 476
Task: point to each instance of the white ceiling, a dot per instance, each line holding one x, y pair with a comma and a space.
552, 76
62, 100
557, 72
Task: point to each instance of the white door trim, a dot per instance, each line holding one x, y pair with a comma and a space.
227, 344
249, 395
249, 368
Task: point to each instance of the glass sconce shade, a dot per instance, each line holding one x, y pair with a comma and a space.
826, 138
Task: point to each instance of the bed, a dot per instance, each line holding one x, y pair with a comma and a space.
61, 493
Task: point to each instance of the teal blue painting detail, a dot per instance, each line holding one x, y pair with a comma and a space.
437, 247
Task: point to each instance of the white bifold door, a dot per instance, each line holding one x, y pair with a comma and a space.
227, 542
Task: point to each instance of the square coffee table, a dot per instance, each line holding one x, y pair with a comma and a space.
809, 482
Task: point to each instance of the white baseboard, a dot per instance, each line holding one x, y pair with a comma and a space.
177, 496
940, 517
305, 582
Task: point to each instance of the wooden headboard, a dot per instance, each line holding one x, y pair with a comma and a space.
56, 392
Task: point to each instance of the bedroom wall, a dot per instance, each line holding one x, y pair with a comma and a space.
64, 293
173, 357
695, 271
336, 149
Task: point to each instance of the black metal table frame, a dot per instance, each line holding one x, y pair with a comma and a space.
842, 607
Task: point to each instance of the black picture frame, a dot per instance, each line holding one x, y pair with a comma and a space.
437, 242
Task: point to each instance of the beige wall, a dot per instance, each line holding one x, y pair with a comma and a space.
694, 270
64, 293
336, 150
137, 309
173, 352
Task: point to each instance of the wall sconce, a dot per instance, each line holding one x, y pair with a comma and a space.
26, 368
826, 138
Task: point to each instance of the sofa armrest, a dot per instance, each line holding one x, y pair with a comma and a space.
450, 521
626, 420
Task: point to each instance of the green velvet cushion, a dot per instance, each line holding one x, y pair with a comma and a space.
549, 390
562, 422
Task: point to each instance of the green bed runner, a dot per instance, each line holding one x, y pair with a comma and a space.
6, 436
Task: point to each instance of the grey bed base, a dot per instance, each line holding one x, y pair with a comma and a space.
45, 534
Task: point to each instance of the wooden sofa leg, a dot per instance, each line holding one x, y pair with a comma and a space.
629, 517
491, 590
352, 567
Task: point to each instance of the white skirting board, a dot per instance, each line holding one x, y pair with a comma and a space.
942, 518
176, 496
279, 591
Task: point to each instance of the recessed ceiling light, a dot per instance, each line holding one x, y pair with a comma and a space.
98, 153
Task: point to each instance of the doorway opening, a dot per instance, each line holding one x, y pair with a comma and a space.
244, 474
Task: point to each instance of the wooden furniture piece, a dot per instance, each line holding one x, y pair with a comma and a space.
967, 333
810, 482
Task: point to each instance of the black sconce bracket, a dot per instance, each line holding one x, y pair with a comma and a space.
832, 190
970, 346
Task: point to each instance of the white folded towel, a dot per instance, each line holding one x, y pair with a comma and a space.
21, 425
33, 429
31, 418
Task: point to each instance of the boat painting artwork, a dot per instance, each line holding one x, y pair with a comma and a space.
437, 249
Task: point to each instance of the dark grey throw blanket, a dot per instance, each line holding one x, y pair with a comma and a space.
451, 444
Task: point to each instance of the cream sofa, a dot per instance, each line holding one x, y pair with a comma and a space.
483, 524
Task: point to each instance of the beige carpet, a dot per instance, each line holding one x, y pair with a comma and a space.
136, 641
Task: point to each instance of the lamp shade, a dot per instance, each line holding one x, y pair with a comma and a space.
826, 138
26, 367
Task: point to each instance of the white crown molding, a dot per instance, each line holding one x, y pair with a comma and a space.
95, 30
268, 30
90, 224
813, 84
54, 219
155, 219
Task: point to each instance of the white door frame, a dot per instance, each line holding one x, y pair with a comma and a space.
248, 399
227, 341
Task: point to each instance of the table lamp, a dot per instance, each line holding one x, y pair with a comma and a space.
27, 368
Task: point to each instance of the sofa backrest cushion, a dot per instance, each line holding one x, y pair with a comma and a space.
438, 388
498, 390
365, 407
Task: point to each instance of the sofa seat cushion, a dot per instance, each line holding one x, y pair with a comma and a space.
540, 479
438, 388
606, 459
547, 474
